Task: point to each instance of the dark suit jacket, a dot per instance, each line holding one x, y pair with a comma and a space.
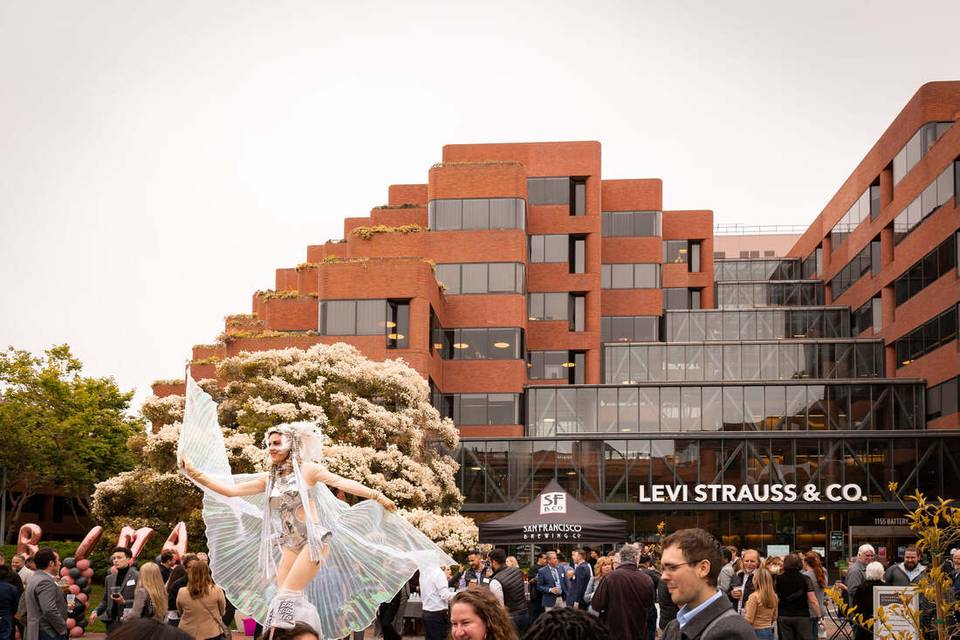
545, 582
624, 599
731, 626
129, 586
578, 586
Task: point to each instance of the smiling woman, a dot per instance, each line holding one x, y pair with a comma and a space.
476, 614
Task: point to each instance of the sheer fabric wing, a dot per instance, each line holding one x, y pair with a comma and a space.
233, 525
372, 554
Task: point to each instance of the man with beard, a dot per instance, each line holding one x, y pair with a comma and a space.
907, 572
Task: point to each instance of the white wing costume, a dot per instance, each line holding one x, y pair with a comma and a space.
372, 552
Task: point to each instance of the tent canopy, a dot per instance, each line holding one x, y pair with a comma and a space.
553, 516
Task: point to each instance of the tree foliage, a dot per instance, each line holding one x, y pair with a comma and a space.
60, 429
936, 523
381, 428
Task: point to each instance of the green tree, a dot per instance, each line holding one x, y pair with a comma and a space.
60, 429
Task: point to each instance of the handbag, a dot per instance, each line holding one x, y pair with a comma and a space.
224, 632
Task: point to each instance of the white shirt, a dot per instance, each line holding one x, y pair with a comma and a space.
434, 592
25, 575
497, 590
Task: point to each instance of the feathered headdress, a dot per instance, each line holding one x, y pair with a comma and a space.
306, 440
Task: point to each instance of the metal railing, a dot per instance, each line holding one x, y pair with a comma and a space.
737, 229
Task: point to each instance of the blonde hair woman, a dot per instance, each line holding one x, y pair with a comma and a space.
761, 608
605, 565
150, 596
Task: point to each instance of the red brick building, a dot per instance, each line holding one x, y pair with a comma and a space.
577, 329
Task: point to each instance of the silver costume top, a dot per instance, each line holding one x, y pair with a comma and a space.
285, 502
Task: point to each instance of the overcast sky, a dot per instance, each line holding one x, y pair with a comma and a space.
158, 160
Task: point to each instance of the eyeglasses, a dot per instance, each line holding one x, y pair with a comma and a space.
673, 568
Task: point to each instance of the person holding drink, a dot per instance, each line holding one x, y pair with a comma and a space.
119, 590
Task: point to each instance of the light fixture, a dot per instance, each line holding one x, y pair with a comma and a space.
822, 518
906, 362
438, 345
568, 365
629, 382
476, 469
549, 420
532, 318
460, 345
501, 345
571, 473
391, 324
396, 336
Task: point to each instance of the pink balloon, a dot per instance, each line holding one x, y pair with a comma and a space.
71, 623
74, 589
88, 572
113, 569
89, 542
68, 580
64, 571
82, 597
83, 565
76, 632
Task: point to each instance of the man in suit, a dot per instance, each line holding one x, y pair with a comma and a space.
691, 564
581, 578
45, 601
550, 582
119, 589
742, 584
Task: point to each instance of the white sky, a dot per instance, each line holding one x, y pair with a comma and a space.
159, 159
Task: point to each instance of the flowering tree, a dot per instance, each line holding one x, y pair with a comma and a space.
381, 430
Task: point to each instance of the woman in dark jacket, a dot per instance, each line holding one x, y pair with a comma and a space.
796, 599
9, 597
863, 598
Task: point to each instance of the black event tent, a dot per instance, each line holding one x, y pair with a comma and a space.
553, 516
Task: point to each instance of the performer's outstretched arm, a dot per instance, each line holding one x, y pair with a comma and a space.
315, 473
249, 488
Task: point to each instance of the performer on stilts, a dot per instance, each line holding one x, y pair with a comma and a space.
318, 560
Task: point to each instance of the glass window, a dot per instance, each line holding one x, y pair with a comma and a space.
503, 408
548, 306
371, 317
732, 408
474, 278
448, 275
694, 257
630, 223
674, 251
621, 276
578, 254
476, 214
549, 248
578, 312
339, 318
397, 324
503, 277
506, 213
548, 190
578, 200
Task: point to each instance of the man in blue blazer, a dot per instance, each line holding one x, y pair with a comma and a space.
550, 582
581, 578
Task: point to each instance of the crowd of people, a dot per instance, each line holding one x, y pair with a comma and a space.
169, 598
689, 586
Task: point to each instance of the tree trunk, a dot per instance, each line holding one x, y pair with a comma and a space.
14, 515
